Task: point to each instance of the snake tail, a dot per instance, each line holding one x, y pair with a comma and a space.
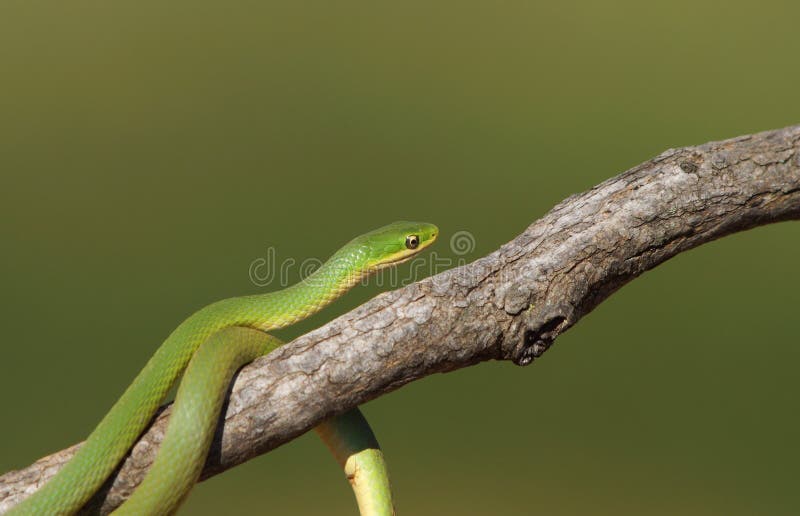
354, 446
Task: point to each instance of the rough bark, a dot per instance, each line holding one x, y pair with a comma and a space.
509, 305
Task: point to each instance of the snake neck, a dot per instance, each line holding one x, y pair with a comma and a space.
282, 308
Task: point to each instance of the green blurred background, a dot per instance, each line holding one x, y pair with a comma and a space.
149, 152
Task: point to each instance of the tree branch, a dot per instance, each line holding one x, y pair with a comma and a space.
509, 305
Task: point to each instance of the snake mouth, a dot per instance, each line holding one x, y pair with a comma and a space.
402, 259
391, 263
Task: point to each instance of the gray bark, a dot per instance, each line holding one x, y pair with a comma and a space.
509, 305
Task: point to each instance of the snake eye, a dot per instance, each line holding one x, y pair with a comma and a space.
412, 241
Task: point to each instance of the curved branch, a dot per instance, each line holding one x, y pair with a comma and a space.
509, 305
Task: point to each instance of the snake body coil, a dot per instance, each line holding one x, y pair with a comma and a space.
214, 342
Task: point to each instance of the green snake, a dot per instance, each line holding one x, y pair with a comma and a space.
208, 348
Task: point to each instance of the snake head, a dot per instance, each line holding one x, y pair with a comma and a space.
394, 243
